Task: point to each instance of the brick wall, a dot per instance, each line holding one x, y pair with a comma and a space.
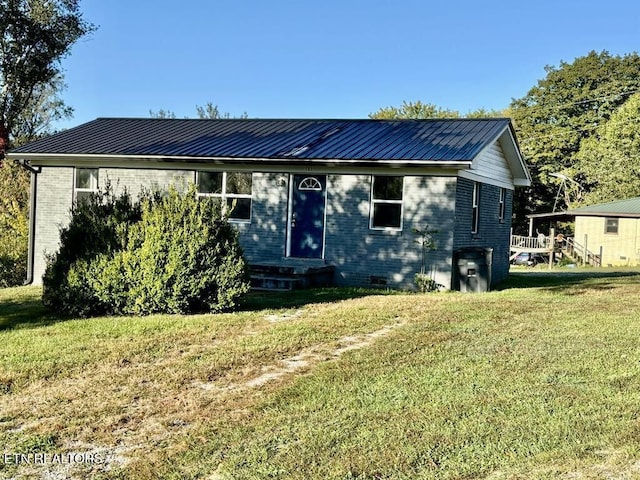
55, 199
135, 180
491, 232
361, 255
53, 207
388, 257
264, 239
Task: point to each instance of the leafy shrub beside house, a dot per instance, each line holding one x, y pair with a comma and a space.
162, 254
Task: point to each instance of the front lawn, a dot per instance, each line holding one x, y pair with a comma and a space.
538, 380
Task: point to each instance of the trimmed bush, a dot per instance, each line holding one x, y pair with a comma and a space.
98, 226
174, 254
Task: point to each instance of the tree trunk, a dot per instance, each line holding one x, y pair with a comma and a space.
4, 141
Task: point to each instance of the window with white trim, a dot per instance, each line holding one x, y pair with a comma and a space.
85, 183
475, 213
233, 188
501, 205
386, 202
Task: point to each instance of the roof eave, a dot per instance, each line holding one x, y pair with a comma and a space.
67, 159
604, 214
520, 171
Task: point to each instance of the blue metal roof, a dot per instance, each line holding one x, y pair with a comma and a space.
282, 139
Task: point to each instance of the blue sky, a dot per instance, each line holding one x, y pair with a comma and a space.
330, 58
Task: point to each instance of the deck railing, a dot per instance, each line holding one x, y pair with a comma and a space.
545, 244
541, 242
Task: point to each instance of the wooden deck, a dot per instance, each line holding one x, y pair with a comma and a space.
550, 244
538, 244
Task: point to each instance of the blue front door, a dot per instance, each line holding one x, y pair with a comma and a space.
307, 216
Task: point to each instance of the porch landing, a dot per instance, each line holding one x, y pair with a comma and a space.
290, 275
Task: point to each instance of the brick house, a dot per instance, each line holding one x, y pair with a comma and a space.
340, 193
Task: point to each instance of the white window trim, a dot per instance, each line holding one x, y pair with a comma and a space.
475, 206
310, 184
224, 196
502, 205
77, 189
395, 202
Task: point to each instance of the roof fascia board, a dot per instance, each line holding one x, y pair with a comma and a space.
514, 157
604, 214
476, 177
182, 163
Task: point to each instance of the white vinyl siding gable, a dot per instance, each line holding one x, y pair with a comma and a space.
491, 167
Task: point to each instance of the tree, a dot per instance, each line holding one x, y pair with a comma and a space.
609, 161
414, 110
209, 111
35, 36
424, 111
14, 200
560, 112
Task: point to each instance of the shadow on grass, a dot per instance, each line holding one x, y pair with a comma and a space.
298, 298
24, 309
24, 312
567, 280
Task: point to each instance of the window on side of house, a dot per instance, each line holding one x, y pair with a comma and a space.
501, 205
386, 202
611, 226
475, 212
233, 188
85, 183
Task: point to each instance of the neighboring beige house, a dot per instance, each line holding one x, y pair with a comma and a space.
613, 227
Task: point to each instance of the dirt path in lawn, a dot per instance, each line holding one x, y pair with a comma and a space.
312, 356
136, 410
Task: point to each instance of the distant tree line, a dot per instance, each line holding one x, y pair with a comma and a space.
580, 123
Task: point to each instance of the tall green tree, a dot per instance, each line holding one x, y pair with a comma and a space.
424, 111
414, 110
560, 112
35, 35
609, 160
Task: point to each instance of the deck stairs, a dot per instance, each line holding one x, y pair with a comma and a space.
580, 254
283, 277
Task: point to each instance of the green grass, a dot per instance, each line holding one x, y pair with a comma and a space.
540, 379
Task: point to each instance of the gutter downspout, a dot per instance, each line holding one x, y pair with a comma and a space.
32, 217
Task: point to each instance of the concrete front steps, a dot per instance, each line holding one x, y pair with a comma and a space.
283, 277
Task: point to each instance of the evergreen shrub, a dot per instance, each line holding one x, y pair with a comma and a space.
169, 253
